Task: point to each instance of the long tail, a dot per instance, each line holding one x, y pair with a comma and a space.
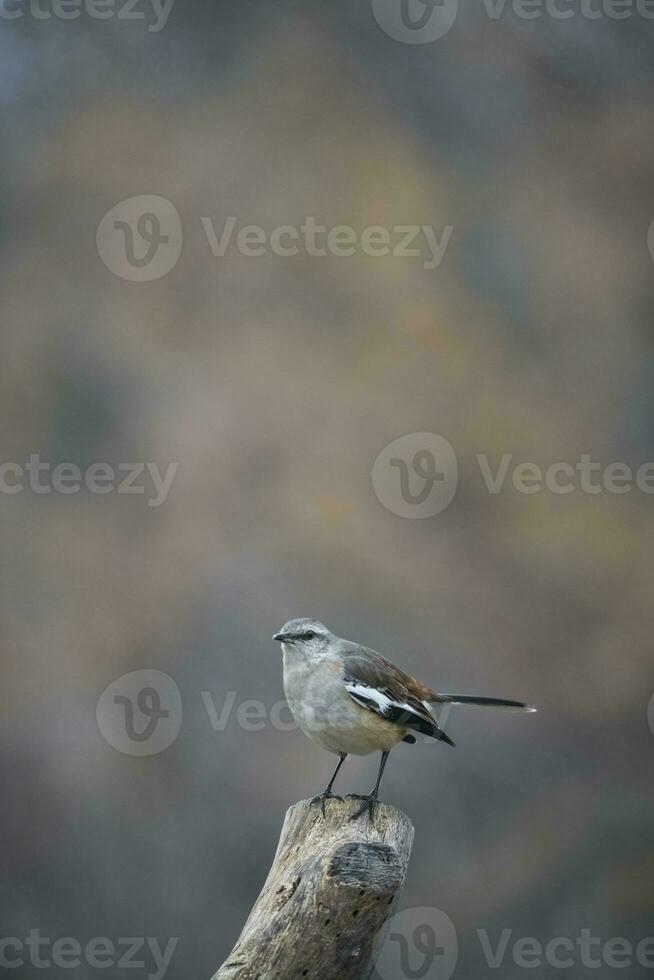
501, 703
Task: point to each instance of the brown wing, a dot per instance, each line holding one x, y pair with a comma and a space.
378, 685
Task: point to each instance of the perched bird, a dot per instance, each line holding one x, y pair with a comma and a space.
351, 700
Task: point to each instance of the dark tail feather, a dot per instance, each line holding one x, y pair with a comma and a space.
435, 732
485, 702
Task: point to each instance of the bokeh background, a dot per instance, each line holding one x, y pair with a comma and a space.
274, 383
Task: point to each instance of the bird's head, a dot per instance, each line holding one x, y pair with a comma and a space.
308, 637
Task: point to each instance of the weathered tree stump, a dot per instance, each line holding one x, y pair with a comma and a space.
332, 886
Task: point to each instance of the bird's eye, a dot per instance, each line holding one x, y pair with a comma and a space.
310, 634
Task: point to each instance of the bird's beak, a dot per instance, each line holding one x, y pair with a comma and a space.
279, 637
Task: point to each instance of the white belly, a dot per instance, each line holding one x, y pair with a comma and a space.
327, 714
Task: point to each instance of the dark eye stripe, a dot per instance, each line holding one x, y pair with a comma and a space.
309, 635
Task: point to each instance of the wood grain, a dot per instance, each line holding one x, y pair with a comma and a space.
332, 886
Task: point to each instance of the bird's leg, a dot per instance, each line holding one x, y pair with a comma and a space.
370, 801
327, 792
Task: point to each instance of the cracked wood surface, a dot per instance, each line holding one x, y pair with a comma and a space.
332, 886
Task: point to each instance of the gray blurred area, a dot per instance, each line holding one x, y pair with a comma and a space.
274, 382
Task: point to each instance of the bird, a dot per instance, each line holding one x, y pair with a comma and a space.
351, 700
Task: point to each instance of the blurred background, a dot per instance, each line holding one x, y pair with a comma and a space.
274, 382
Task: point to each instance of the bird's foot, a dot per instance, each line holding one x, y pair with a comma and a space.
369, 805
326, 795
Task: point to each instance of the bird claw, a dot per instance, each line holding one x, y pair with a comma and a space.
321, 799
368, 807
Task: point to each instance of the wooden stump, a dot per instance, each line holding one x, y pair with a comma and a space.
332, 886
